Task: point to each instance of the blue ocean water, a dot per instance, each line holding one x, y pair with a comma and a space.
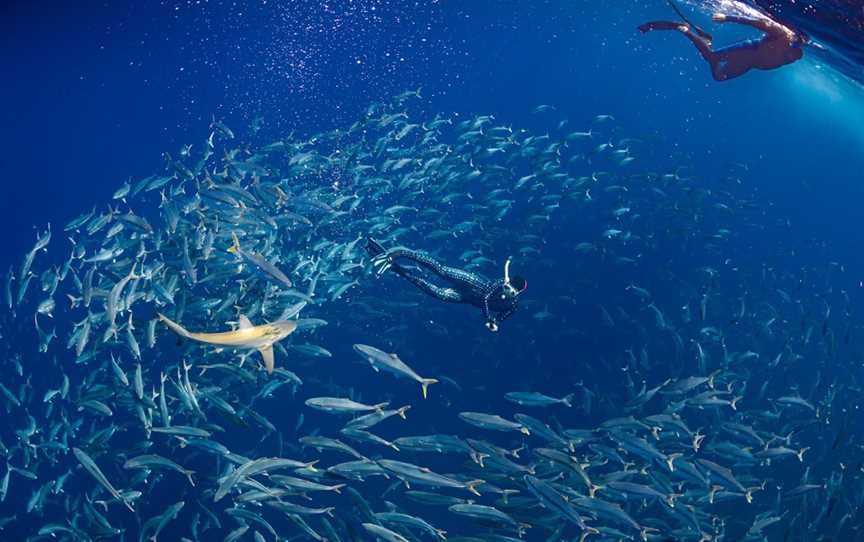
755, 224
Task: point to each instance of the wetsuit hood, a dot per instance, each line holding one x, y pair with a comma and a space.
515, 285
519, 283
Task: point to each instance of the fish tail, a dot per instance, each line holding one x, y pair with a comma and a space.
401, 411
593, 489
337, 488
472, 486
235, 247
568, 399
127, 504
478, 458
189, 474
670, 460
425, 383
175, 327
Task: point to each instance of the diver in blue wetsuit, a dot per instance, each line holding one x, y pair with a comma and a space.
496, 298
778, 47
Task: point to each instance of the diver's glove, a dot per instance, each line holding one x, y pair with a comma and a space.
491, 325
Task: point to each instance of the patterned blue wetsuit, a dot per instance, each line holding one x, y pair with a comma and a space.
462, 286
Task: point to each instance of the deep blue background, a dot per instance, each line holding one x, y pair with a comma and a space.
94, 93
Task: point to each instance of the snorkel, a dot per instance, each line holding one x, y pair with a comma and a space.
509, 291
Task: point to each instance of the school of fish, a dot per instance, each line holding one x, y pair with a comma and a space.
181, 384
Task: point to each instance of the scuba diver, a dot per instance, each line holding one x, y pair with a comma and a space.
778, 47
496, 298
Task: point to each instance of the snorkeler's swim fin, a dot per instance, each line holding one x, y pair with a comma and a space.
695, 28
374, 248
380, 261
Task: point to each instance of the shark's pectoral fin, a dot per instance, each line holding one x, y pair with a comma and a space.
267, 354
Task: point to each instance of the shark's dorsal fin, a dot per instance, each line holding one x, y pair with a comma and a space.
267, 354
244, 322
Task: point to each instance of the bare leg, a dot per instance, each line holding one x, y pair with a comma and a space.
670, 25
723, 63
659, 25
702, 44
726, 67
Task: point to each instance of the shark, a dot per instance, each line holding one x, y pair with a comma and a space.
246, 336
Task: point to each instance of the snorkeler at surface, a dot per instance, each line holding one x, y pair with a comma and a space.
778, 47
496, 298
